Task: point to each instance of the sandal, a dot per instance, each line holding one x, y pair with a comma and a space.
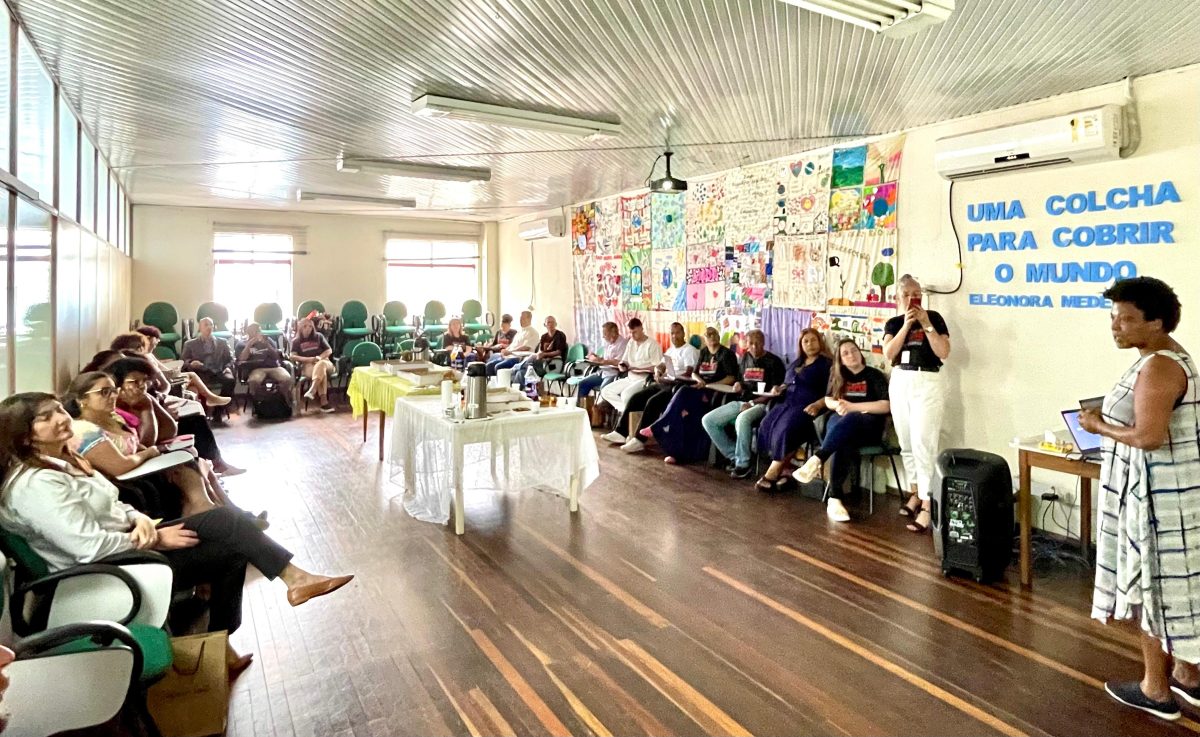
765, 484
917, 526
908, 509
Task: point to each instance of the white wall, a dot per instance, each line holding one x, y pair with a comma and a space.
172, 257
536, 273
1012, 369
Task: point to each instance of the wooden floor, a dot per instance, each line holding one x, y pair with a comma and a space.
676, 602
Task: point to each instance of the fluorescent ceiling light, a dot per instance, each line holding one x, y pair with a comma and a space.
892, 18
435, 106
353, 165
390, 201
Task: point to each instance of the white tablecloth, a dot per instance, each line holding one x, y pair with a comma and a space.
434, 458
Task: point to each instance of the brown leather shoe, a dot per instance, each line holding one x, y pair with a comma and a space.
301, 594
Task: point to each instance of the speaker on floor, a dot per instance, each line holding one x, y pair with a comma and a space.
971, 499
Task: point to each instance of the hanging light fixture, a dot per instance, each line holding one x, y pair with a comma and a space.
892, 18
668, 183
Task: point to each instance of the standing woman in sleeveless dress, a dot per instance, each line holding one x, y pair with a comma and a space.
1148, 545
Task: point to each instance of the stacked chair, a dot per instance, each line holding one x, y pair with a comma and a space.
164, 316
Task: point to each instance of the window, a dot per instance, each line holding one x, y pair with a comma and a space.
87, 183
114, 221
33, 317
35, 122
101, 199
253, 266
420, 270
68, 162
5, 86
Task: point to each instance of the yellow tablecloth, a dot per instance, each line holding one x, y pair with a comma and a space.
381, 390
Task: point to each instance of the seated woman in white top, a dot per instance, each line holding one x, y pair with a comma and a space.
70, 515
105, 437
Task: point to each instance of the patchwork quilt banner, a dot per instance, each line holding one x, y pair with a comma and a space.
635, 252
799, 271
706, 276
704, 216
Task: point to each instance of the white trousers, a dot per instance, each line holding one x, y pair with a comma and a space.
617, 393
918, 403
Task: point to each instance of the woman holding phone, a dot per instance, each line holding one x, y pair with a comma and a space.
916, 343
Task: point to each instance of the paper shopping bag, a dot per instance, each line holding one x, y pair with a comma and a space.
192, 700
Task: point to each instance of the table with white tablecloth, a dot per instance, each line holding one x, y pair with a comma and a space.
434, 457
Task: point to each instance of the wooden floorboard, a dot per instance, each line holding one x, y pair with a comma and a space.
676, 602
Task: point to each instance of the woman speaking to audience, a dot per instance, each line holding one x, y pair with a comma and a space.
916, 343
1147, 560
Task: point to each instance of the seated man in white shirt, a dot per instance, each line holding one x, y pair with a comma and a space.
642, 354
525, 343
608, 361
679, 361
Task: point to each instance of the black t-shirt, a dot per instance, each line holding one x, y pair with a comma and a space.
310, 347
916, 346
768, 368
263, 354
712, 367
556, 342
505, 337
449, 340
868, 385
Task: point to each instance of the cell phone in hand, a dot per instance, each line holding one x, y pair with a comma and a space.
915, 302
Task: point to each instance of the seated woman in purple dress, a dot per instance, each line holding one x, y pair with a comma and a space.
858, 399
790, 423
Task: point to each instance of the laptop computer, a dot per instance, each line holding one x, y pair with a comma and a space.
1086, 444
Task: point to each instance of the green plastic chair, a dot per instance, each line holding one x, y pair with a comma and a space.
575, 354
365, 352
33, 576
432, 325
164, 353
394, 315
164, 316
268, 315
354, 319
472, 316
308, 306
220, 317
696, 341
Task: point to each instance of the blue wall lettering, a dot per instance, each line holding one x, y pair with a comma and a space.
1099, 272
995, 211
1119, 234
1004, 273
1005, 240
1118, 198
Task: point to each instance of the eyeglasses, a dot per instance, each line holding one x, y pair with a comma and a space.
134, 383
104, 391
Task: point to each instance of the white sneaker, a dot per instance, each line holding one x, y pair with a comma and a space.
614, 437
836, 511
633, 445
809, 471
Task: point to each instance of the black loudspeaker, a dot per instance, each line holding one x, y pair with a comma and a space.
972, 513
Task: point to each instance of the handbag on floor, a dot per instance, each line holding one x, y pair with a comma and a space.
192, 700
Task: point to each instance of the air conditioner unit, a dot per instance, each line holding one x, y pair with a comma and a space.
1081, 137
551, 227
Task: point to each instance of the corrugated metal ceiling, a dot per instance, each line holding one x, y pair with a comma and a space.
241, 102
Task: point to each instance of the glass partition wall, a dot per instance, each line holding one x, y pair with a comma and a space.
64, 226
